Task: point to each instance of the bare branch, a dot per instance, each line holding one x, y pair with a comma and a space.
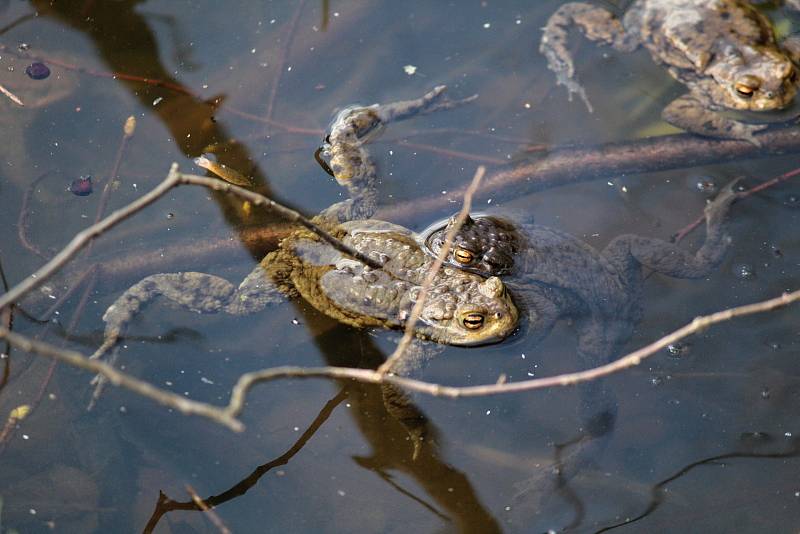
227, 416
630, 360
290, 214
118, 378
84, 236
408, 335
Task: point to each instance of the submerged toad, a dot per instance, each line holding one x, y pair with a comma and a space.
724, 51
462, 308
555, 275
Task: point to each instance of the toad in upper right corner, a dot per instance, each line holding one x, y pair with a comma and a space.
724, 51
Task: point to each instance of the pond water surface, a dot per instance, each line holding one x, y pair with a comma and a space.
705, 437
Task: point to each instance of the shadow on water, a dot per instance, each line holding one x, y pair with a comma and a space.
455, 498
124, 40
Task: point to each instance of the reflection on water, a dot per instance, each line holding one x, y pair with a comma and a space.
254, 84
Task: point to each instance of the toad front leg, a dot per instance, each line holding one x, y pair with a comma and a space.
596, 23
689, 113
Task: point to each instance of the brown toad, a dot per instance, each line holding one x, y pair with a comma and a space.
724, 51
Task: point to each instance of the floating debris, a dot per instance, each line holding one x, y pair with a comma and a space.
744, 271
37, 71
410, 69
81, 186
223, 171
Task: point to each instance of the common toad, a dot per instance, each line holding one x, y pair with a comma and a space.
724, 51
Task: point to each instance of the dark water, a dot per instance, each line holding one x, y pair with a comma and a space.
705, 438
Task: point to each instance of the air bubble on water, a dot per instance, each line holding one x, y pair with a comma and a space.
678, 349
706, 185
744, 271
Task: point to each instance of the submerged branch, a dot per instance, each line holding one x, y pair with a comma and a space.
574, 164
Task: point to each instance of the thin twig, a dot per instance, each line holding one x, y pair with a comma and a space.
408, 335
128, 130
84, 236
292, 29
211, 514
630, 360
290, 214
14, 98
227, 416
744, 194
22, 220
118, 378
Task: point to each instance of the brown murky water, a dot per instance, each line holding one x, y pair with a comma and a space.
705, 438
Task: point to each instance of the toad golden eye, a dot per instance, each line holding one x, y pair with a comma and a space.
744, 91
747, 86
463, 256
473, 321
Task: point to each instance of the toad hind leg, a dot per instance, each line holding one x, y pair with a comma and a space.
631, 251
688, 113
198, 292
596, 23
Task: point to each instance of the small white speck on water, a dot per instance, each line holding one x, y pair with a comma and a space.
487, 25
410, 69
523, 355
341, 493
488, 412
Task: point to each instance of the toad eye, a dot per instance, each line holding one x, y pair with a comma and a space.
463, 256
747, 86
473, 321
